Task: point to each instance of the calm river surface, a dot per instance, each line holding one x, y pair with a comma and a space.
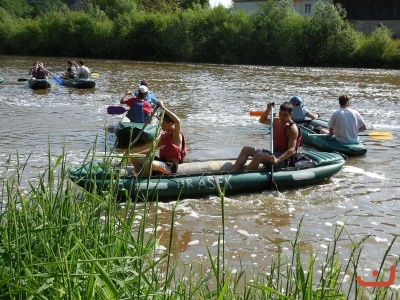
214, 103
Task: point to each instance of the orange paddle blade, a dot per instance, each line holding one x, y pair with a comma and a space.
256, 113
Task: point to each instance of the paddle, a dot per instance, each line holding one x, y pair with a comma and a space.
272, 148
22, 79
378, 135
57, 79
258, 113
116, 110
95, 75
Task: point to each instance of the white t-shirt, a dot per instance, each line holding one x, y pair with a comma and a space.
345, 123
83, 72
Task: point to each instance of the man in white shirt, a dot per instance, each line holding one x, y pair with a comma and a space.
82, 70
346, 123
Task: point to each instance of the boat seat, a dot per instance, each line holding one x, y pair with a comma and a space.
205, 166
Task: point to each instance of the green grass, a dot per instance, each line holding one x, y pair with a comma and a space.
60, 242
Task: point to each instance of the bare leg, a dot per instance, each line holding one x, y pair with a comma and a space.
242, 158
260, 157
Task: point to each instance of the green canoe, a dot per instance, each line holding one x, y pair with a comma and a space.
127, 131
327, 143
80, 83
202, 179
36, 84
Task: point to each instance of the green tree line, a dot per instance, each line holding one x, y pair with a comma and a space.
189, 30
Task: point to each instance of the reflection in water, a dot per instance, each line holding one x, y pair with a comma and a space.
213, 102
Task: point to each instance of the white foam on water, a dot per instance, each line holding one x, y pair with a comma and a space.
216, 243
381, 239
194, 242
244, 232
350, 169
340, 223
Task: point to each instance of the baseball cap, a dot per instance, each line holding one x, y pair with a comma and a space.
296, 100
143, 89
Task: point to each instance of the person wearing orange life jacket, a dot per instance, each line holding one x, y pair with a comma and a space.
172, 147
140, 109
287, 138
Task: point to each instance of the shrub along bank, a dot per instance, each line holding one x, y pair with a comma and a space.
272, 36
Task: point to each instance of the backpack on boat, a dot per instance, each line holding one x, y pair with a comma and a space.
140, 111
299, 160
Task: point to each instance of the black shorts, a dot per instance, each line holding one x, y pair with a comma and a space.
167, 165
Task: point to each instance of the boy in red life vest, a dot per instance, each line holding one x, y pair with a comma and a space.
140, 109
172, 147
287, 138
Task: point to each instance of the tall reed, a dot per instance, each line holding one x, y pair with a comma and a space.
58, 241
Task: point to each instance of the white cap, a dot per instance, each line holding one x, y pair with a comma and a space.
143, 89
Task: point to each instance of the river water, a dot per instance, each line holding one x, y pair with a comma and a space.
213, 102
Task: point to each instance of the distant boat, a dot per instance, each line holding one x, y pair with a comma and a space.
80, 83
37, 84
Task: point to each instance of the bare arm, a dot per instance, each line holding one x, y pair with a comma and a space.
176, 131
312, 115
266, 116
126, 97
362, 128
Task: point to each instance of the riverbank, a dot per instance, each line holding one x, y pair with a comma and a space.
274, 36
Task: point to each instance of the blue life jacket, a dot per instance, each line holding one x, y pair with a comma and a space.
140, 111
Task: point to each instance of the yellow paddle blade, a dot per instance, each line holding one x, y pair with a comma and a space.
95, 75
380, 135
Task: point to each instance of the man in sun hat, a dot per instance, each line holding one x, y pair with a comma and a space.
140, 109
300, 112
149, 97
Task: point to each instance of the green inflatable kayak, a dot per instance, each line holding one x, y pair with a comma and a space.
80, 83
327, 143
37, 84
202, 179
1, 79
127, 131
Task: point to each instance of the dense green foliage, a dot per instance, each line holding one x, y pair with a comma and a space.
188, 30
59, 242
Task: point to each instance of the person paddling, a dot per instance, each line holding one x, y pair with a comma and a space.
287, 138
345, 123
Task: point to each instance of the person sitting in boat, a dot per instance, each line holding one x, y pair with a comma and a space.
300, 112
71, 70
150, 97
81, 70
345, 123
172, 147
286, 141
140, 109
37, 71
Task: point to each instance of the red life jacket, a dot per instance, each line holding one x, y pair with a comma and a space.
169, 149
280, 139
